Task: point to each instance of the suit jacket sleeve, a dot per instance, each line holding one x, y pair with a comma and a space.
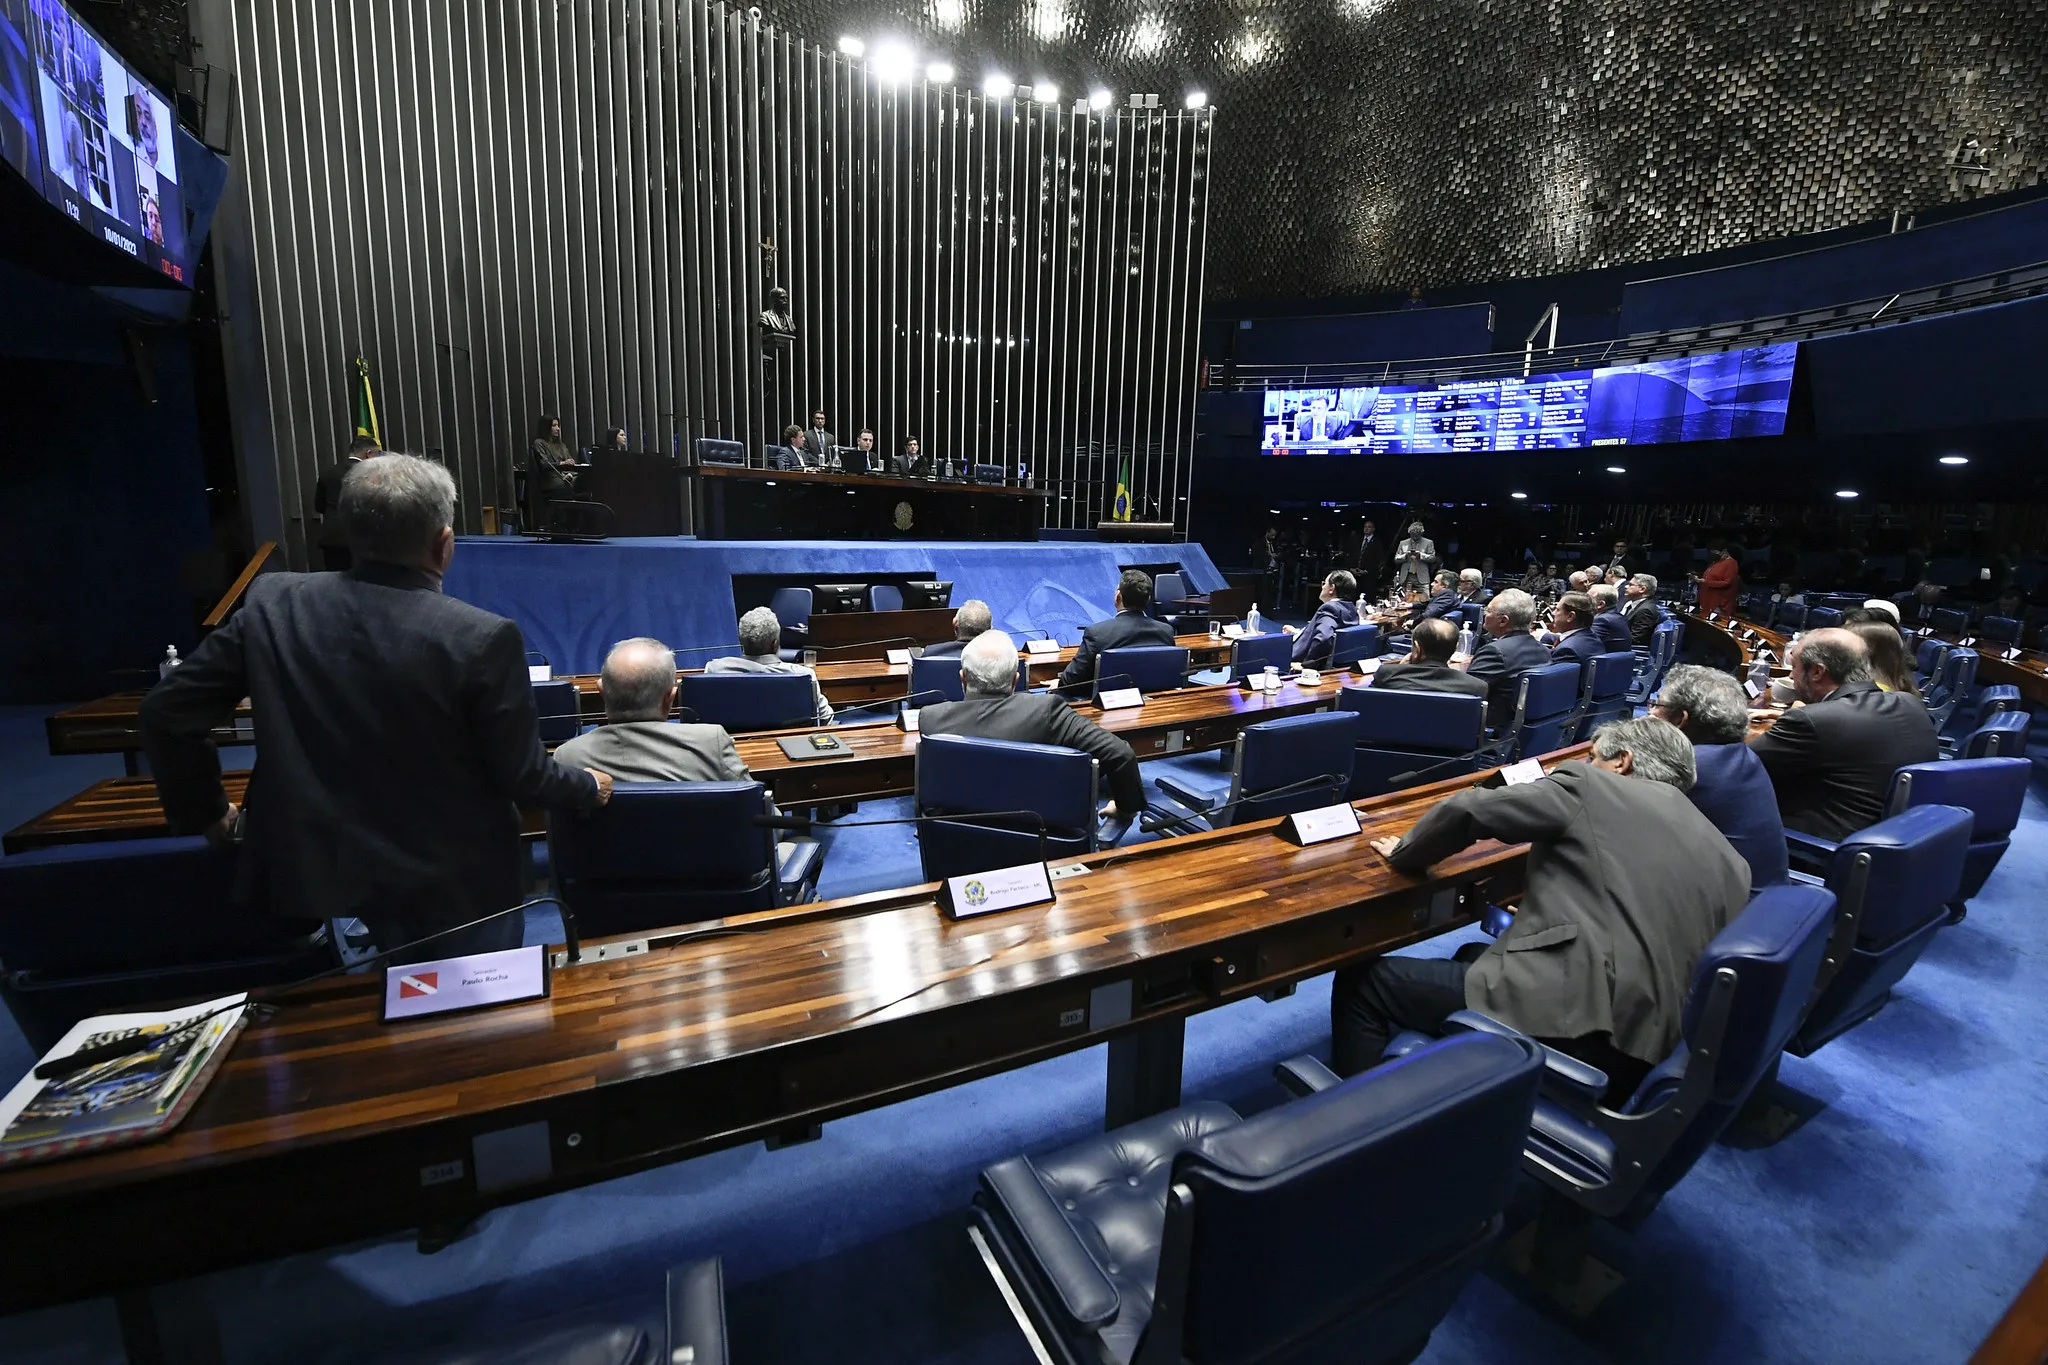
500, 704
178, 715
1320, 630
1487, 663
730, 763
1790, 748
1513, 815
1082, 668
1119, 762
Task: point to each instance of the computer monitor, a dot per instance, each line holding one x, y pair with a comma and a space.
988, 473
927, 593
853, 460
836, 599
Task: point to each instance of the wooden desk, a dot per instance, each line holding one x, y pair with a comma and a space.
326, 1126
2021, 1336
2029, 672
872, 634
738, 503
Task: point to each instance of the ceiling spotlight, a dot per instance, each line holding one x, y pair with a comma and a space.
1955, 459
1099, 100
1845, 492
893, 63
1046, 92
1519, 496
1197, 99
997, 86
1616, 469
939, 73
851, 46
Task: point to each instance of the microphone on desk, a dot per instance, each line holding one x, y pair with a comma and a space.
1157, 818
928, 693
804, 824
864, 644
71, 1063
1399, 780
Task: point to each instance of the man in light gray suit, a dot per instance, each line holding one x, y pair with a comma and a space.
1627, 884
761, 640
637, 740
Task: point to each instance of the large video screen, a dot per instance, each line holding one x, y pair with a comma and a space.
1690, 398
90, 135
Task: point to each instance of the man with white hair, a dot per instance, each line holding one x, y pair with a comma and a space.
1471, 587
1511, 652
970, 620
1639, 609
1626, 885
1415, 557
761, 643
638, 742
395, 729
1730, 786
1610, 627
994, 709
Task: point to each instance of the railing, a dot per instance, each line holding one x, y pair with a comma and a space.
266, 557
2002, 286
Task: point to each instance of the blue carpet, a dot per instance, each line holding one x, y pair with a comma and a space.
1892, 1226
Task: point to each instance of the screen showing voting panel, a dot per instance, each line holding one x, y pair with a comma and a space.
90, 135
1687, 398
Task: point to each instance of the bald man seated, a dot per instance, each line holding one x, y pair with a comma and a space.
971, 620
638, 742
994, 709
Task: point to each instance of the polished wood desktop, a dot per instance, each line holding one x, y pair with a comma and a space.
327, 1126
2021, 1336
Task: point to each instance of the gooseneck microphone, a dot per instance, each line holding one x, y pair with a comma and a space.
804, 824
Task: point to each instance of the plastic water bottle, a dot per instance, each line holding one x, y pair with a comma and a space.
1254, 624
1760, 674
1465, 639
171, 661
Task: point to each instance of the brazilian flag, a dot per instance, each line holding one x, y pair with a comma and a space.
366, 405
1120, 507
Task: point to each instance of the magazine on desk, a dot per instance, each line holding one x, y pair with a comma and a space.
122, 1100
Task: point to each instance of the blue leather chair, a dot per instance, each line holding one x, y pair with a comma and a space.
1788, 616
1614, 1156
884, 597
1819, 617
1438, 735
1949, 621
686, 1327
663, 853
1951, 686
961, 778
1149, 668
1302, 761
792, 608
1353, 643
1255, 653
750, 701
938, 679
1299, 1235
94, 928
1603, 694
1651, 667
1992, 789
2004, 630
711, 450
2005, 735
1927, 658
561, 715
1893, 884
1546, 705
1998, 698
1169, 590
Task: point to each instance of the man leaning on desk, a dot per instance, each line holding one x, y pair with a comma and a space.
395, 730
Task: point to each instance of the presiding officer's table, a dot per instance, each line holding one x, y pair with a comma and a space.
326, 1125
740, 503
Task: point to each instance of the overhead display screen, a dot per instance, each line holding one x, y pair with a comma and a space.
1689, 398
90, 135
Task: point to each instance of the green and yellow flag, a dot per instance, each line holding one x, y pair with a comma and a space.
1120, 506
366, 405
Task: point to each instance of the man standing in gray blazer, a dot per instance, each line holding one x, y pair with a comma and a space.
637, 741
1627, 884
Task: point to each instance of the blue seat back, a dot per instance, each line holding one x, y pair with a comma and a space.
1274, 1195
2004, 629
1948, 621
1790, 615
2004, 735
792, 607
938, 679
1927, 657
1544, 707
711, 450
962, 776
750, 701
1149, 668
1352, 643
1254, 654
1819, 617
561, 715
1169, 588
1399, 732
663, 853
884, 597
1958, 674
1993, 790
1286, 753
1998, 698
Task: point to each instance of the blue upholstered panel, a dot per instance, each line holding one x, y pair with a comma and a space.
1150, 668
1906, 377
1353, 643
560, 714
1408, 334
750, 701
1254, 653
1916, 863
1276, 754
1417, 722
956, 774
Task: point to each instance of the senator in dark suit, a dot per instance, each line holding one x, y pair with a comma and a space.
970, 620
327, 502
1315, 642
1831, 761
1640, 610
1370, 561
1627, 884
1609, 627
395, 729
1730, 786
1572, 619
994, 709
1428, 665
1513, 651
1130, 627
818, 442
1443, 602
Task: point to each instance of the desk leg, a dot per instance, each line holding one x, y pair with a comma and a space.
1144, 1072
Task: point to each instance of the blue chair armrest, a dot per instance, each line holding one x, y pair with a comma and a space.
1303, 1076
696, 1312
1186, 796
1561, 1070
1085, 1292
1111, 832
1808, 852
798, 863
1805, 878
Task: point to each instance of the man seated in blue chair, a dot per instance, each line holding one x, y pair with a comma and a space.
1442, 603
761, 641
637, 742
1428, 665
1508, 654
1315, 642
1730, 786
1609, 627
1129, 628
994, 709
971, 620
1572, 620
1627, 883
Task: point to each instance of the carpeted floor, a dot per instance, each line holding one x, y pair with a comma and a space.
1892, 1226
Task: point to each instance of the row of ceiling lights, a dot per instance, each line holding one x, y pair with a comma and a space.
894, 63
